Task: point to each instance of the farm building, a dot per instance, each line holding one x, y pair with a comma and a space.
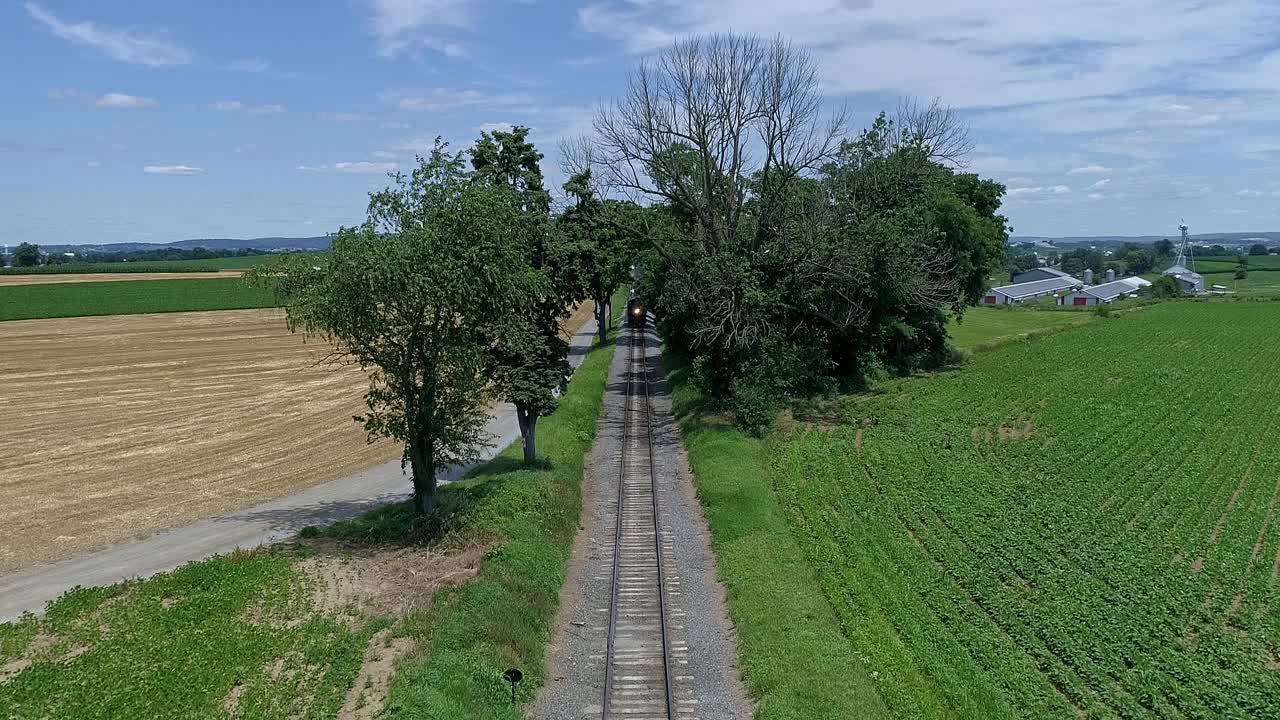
1192, 282
1105, 292
1018, 292
1044, 273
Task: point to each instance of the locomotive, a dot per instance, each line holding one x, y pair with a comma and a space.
637, 313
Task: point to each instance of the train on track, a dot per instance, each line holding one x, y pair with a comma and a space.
637, 313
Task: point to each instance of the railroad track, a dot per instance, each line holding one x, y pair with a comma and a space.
641, 652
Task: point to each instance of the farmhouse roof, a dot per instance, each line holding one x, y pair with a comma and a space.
1037, 287
1115, 288
1182, 271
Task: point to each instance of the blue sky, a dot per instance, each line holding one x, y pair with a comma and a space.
156, 121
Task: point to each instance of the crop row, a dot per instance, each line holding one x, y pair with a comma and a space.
1080, 523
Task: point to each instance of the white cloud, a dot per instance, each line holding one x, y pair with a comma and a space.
1097, 196
118, 44
362, 167
395, 125
495, 127
93, 164
120, 100
110, 100
402, 24
1087, 170
237, 106
172, 170
1040, 190
1250, 193
1100, 184
383, 155
442, 99
981, 53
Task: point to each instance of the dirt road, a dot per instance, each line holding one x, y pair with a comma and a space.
50, 278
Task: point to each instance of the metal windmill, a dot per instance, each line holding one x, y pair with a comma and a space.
1185, 249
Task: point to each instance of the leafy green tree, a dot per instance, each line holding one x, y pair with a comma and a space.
1241, 273
1257, 249
1138, 260
26, 255
596, 248
1165, 286
415, 296
1023, 262
531, 358
1163, 248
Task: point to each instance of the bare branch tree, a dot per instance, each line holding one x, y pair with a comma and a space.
937, 129
697, 122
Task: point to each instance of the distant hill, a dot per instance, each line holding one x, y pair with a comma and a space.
1267, 237
265, 243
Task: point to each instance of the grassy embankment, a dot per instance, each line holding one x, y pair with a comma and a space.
1029, 536
153, 266
129, 297
247, 634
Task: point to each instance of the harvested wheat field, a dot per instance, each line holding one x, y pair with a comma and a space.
116, 427
50, 278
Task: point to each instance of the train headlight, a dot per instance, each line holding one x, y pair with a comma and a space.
635, 311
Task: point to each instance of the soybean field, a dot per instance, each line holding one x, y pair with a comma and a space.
1081, 525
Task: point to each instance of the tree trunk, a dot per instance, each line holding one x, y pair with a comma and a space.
528, 427
424, 480
602, 321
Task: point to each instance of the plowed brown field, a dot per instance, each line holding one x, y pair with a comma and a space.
115, 427
48, 278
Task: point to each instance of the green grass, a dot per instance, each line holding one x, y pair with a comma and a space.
128, 297
1264, 263
151, 266
795, 659
1258, 284
119, 652
248, 619
1080, 525
983, 325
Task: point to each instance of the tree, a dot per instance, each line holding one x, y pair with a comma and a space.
1166, 286
415, 296
1163, 248
780, 256
530, 359
1023, 262
1138, 260
26, 255
596, 249
1257, 249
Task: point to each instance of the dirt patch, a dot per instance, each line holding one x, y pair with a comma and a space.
359, 581
369, 692
1198, 564
231, 703
1020, 429
43, 648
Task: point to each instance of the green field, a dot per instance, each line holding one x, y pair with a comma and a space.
984, 325
1076, 526
154, 266
128, 297
1258, 284
1226, 264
